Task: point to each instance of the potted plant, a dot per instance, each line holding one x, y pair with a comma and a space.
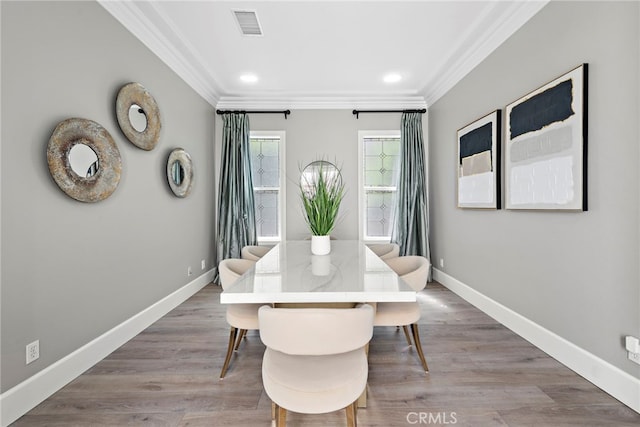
321, 191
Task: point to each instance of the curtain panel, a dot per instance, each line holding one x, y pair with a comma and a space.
236, 212
411, 225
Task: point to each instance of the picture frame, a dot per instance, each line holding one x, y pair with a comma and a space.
546, 146
479, 156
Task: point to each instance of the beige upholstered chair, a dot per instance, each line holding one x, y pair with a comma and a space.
385, 250
241, 317
414, 270
316, 360
253, 252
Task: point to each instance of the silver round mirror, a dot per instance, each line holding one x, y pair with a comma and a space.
83, 160
137, 118
180, 172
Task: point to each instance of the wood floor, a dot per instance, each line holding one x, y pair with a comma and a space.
482, 374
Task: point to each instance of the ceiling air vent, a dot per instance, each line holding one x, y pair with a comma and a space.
248, 22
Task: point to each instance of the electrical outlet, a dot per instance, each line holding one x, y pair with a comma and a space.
33, 351
189, 271
441, 262
202, 264
634, 357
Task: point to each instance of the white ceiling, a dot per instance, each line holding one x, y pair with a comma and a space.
323, 54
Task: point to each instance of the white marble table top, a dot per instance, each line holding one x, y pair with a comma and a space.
289, 273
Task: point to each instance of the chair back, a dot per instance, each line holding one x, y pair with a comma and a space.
412, 269
386, 250
231, 269
253, 252
316, 331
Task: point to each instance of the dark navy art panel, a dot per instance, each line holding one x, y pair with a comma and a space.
551, 106
476, 141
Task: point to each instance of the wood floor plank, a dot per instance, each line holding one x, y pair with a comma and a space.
481, 374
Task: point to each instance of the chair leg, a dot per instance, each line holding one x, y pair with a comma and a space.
406, 334
281, 416
352, 414
232, 339
241, 335
416, 338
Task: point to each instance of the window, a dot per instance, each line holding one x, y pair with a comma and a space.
267, 167
379, 153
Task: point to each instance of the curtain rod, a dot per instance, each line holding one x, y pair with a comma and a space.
285, 112
357, 112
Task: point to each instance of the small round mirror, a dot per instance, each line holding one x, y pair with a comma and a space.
137, 118
83, 160
177, 173
180, 172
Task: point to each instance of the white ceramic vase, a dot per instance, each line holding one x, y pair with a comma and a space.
320, 245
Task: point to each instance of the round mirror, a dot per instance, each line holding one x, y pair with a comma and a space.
137, 118
83, 160
312, 173
180, 172
177, 173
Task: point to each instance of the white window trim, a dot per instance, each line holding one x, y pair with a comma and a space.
282, 192
362, 135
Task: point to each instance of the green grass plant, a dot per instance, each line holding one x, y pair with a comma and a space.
321, 195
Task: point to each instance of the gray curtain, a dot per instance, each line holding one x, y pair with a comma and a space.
411, 225
236, 213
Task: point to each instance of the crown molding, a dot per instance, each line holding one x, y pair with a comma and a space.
156, 31
298, 102
134, 16
497, 29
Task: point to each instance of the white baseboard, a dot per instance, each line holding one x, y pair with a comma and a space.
20, 399
611, 379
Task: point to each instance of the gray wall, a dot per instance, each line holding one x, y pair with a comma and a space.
316, 134
71, 271
575, 274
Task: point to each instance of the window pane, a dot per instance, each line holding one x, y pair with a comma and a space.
381, 161
265, 166
266, 213
379, 213
265, 159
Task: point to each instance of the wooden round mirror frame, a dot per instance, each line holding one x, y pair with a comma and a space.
103, 183
136, 94
184, 160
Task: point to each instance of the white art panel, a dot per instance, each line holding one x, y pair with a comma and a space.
548, 182
476, 189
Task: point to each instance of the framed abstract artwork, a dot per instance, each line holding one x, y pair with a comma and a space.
546, 146
479, 163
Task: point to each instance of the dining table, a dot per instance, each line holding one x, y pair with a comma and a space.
290, 274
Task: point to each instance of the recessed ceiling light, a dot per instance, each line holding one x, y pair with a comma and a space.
249, 78
392, 78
